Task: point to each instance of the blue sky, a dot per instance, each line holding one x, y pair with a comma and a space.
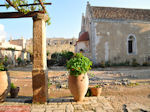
65, 17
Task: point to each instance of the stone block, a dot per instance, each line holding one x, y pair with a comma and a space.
40, 86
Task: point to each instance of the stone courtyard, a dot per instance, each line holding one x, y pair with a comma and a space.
124, 90
91, 104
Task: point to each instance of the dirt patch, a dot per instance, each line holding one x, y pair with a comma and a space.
120, 96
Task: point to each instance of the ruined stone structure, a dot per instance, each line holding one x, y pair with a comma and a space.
13, 52
20, 42
60, 44
117, 34
55, 45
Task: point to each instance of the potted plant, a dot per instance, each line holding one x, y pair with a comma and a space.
4, 82
96, 91
78, 80
14, 91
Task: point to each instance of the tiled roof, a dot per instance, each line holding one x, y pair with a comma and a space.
84, 37
120, 13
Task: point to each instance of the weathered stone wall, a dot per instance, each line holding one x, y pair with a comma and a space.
110, 40
20, 42
13, 55
60, 48
60, 44
55, 45
84, 45
8, 45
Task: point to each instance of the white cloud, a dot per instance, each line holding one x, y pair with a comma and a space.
2, 32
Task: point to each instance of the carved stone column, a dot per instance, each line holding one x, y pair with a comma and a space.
39, 72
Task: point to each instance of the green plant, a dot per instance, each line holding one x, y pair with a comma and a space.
12, 86
9, 48
98, 86
47, 53
3, 65
133, 84
17, 4
78, 64
2, 68
19, 60
92, 75
60, 59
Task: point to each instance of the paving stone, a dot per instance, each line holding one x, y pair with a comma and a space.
61, 106
58, 110
16, 108
69, 108
89, 105
52, 106
78, 107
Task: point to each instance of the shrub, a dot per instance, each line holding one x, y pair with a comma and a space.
50, 62
5, 61
60, 59
19, 60
78, 64
2, 68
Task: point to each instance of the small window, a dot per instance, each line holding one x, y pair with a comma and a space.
131, 44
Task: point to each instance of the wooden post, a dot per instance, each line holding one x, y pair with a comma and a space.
39, 72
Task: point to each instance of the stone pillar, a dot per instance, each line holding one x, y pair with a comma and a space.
22, 55
28, 56
13, 58
39, 72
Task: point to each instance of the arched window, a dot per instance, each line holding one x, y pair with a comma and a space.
131, 44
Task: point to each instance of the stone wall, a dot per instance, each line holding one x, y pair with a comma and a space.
13, 55
20, 42
84, 45
55, 45
111, 41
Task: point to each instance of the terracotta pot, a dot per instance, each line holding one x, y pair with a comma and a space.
78, 86
4, 85
96, 91
14, 92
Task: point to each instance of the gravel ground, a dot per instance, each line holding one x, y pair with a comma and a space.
133, 96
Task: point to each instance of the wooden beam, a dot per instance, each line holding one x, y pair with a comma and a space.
43, 7
5, 15
28, 4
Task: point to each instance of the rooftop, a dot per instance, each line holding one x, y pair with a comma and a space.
120, 13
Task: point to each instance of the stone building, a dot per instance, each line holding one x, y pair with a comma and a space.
60, 44
20, 42
55, 45
116, 35
13, 51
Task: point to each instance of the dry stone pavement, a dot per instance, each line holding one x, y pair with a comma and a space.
90, 104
